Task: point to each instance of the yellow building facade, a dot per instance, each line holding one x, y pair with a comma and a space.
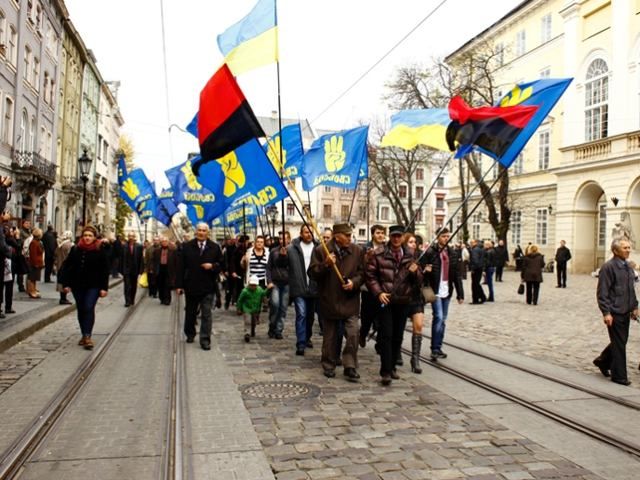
578, 178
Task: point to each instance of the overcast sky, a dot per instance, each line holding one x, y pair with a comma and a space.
325, 45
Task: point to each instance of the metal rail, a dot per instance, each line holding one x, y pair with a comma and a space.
16, 456
595, 433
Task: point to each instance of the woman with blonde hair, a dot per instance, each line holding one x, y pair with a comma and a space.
532, 266
60, 255
35, 262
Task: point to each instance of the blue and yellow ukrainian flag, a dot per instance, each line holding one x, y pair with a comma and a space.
410, 128
253, 41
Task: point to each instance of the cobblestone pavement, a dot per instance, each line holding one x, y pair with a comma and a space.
366, 431
565, 327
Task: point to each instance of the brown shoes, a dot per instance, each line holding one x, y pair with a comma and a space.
82, 341
88, 343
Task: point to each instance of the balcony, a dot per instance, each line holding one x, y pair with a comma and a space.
33, 170
604, 149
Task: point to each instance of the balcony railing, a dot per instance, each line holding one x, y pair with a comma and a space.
606, 148
33, 164
594, 150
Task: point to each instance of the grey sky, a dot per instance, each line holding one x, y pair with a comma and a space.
324, 46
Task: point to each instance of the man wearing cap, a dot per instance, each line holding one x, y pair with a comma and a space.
442, 275
391, 274
339, 301
199, 265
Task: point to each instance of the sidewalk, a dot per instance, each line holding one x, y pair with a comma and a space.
33, 314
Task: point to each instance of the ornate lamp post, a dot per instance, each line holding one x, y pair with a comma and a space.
84, 166
272, 211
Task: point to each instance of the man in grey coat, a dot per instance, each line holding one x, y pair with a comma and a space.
618, 303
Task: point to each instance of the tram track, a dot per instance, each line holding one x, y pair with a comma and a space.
573, 423
14, 460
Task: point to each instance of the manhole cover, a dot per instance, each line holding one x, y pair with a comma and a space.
279, 390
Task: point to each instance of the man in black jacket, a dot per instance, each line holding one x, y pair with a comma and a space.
502, 258
199, 264
476, 265
131, 266
618, 303
442, 281
563, 255
278, 278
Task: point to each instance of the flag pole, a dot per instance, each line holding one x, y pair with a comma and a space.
433, 184
275, 13
244, 221
465, 200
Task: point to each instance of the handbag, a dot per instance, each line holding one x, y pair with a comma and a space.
143, 281
521, 289
428, 294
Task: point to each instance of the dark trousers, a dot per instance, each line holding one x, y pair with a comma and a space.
234, 287
477, 292
499, 270
533, 290
369, 310
152, 278
130, 288
164, 289
330, 339
562, 274
115, 268
48, 267
205, 304
614, 355
86, 300
391, 323
6, 295
20, 282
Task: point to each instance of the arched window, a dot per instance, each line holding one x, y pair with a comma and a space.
596, 113
23, 130
32, 135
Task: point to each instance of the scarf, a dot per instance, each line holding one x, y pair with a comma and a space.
88, 247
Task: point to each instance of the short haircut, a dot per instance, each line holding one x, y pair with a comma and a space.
260, 236
378, 227
615, 244
202, 224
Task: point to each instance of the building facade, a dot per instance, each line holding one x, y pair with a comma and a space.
578, 179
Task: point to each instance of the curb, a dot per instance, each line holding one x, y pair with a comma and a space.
41, 320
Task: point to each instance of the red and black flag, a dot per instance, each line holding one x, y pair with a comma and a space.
491, 129
225, 119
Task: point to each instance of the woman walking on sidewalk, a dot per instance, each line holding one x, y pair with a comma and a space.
86, 274
36, 263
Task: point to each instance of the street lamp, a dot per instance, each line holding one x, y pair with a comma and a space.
84, 165
272, 211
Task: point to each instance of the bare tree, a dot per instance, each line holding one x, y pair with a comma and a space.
472, 76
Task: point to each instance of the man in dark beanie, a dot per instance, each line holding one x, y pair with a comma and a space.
339, 300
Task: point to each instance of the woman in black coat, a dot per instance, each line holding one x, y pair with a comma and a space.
85, 273
532, 265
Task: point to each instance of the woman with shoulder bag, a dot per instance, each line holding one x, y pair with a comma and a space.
86, 275
532, 266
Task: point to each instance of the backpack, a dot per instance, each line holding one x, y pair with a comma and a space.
25, 246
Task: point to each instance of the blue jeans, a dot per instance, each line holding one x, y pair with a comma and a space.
305, 309
440, 310
489, 277
278, 308
86, 299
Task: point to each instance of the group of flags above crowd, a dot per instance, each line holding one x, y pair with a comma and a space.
235, 177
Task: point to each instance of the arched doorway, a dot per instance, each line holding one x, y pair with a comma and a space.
590, 228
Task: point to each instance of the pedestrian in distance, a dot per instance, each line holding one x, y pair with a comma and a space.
502, 259
302, 289
476, 265
199, 265
490, 262
12, 237
249, 305
391, 272
339, 301
618, 304
278, 279
442, 274
25, 233
132, 266
36, 263
150, 266
85, 273
518, 256
415, 310
164, 259
563, 255
50, 243
61, 254
531, 274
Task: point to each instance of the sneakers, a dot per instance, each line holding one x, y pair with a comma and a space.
438, 354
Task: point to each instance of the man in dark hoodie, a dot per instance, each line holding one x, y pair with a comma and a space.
278, 278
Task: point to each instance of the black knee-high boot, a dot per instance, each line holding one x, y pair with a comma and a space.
416, 346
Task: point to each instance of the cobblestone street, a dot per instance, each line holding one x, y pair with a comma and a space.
565, 327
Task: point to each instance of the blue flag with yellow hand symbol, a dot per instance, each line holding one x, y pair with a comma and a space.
336, 159
292, 151
243, 173
138, 193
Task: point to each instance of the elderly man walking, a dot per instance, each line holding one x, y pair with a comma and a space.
339, 301
199, 264
618, 303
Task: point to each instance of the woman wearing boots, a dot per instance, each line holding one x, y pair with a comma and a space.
442, 275
86, 274
415, 312
36, 263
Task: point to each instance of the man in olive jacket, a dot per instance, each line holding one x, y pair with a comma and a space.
338, 301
